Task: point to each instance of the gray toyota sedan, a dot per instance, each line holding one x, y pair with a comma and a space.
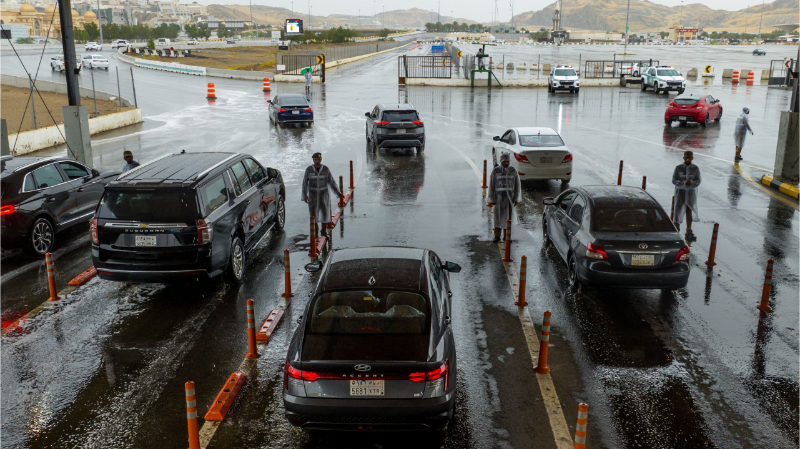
374, 349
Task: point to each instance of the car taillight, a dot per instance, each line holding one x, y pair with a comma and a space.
699, 106
672, 104
567, 158
521, 158
418, 122
596, 252
438, 373
205, 233
283, 110
683, 254
7, 209
381, 123
307, 109
295, 373
93, 232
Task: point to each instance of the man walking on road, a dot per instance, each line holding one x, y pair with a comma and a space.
307, 75
686, 179
130, 162
314, 191
740, 132
505, 191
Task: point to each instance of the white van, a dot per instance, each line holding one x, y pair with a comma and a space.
163, 42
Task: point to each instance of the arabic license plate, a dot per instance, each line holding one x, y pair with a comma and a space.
366, 388
400, 131
295, 112
643, 260
145, 240
545, 160
682, 118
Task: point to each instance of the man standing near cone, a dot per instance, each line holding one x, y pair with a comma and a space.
505, 191
686, 179
316, 183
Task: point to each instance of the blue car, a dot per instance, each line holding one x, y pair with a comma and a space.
290, 108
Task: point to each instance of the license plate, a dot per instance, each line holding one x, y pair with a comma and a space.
682, 118
145, 240
400, 131
295, 112
545, 160
642, 260
366, 388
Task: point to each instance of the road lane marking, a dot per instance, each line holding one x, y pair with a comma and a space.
466, 158
763, 188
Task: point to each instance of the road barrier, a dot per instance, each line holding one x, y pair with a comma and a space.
191, 416
252, 352
735, 78
287, 275
523, 269
542, 367
269, 325
312, 250
644, 182
751, 76
266, 85
619, 177
51, 277
764, 306
484, 186
212, 92
580, 427
341, 190
224, 400
352, 186
83, 277
672, 210
507, 255
712, 250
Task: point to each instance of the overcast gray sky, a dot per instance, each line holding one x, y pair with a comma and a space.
478, 10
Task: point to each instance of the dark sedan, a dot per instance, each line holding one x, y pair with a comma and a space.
374, 349
615, 236
45, 195
290, 108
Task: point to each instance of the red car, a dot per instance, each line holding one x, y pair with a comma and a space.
693, 108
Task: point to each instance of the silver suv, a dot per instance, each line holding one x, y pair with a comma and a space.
563, 77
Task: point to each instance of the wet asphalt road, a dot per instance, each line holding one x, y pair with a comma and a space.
698, 368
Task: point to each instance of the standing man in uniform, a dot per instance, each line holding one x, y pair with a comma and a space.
505, 191
307, 75
130, 162
686, 179
314, 191
740, 132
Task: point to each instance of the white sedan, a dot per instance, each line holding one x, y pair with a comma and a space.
192, 42
93, 46
536, 153
95, 61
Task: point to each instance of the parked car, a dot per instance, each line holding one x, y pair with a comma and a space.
633, 69
374, 349
693, 108
120, 43
231, 41
192, 42
536, 153
759, 52
290, 109
42, 196
663, 79
563, 78
92, 46
185, 215
395, 125
57, 63
615, 236
163, 42
92, 61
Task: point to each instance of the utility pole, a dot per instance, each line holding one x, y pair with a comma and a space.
745, 22
251, 15
99, 21
309, 14
760, 21
76, 119
627, 30
68, 43
438, 15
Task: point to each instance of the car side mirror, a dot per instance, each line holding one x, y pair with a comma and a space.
272, 173
496, 138
300, 320
452, 267
269, 101
367, 114
313, 267
548, 201
95, 173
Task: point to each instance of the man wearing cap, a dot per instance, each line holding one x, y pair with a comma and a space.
505, 191
740, 132
686, 179
314, 191
130, 162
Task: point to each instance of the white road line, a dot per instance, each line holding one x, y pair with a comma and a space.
466, 158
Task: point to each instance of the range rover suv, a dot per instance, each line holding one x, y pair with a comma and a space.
185, 215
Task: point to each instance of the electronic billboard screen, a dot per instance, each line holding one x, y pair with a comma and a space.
294, 26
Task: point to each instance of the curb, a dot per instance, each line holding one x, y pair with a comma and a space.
783, 187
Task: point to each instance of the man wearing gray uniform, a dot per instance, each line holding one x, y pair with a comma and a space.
505, 191
314, 191
686, 178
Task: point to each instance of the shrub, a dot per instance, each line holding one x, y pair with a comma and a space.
24, 40
151, 44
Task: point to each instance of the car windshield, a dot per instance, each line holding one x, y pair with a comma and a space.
154, 205
687, 100
668, 72
295, 100
565, 72
400, 116
540, 141
648, 219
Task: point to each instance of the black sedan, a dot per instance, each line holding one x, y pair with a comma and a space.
290, 108
615, 236
374, 349
759, 52
45, 195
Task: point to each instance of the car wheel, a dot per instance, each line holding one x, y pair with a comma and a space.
280, 214
719, 116
545, 236
494, 158
644, 86
680, 91
236, 261
635, 73
572, 273
421, 148
656, 91
366, 133
572, 91
577, 90
668, 122
566, 181
41, 237
705, 121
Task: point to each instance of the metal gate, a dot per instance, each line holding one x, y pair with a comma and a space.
615, 69
293, 64
424, 67
779, 71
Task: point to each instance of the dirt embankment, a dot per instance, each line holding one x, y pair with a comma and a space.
14, 99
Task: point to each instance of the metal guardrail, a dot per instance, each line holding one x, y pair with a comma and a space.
616, 69
295, 63
425, 67
344, 52
779, 73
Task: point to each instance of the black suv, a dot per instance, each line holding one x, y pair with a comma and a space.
395, 125
185, 215
45, 195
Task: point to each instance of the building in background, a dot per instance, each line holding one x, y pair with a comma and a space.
43, 23
679, 33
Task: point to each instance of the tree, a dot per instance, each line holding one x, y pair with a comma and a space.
92, 31
222, 31
664, 34
385, 32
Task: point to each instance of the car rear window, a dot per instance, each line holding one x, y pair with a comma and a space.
400, 116
540, 141
686, 100
152, 205
649, 219
293, 101
565, 72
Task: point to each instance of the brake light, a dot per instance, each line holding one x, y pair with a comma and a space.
596, 252
205, 233
672, 104
7, 209
307, 109
521, 158
683, 254
699, 106
295, 373
567, 158
283, 110
418, 122
93, 232
381, 123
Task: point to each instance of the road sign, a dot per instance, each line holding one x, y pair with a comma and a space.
458, 53
293, 26
276, 35
788, 63
320, 59
708, 69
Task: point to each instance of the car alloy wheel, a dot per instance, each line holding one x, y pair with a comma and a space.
237, 261
644, 86
545, 236
705, 121
572, 273
719, 116
494, 157
280, 215
42, 236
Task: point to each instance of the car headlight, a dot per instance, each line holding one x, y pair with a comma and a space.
577, 83
555, 83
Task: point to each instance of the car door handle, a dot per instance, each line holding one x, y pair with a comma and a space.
50, 199
80, 189
569, 232
447, 319
450, 294
247, 203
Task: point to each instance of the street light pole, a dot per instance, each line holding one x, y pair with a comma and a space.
761, 20
627, 31
745, 22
